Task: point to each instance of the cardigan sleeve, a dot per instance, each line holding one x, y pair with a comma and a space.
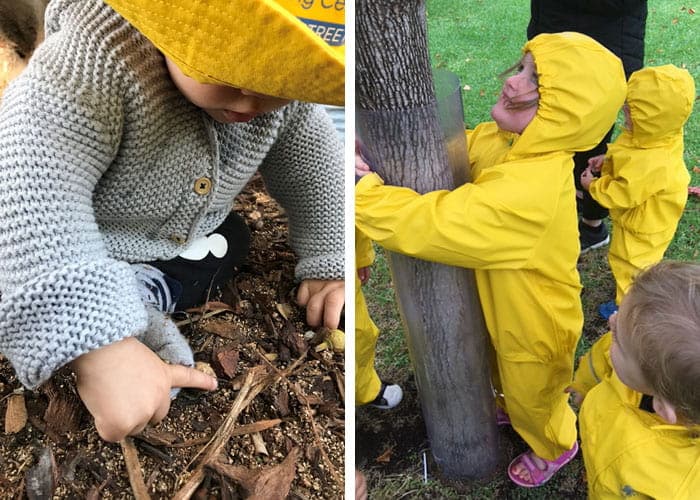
62, 293
304, 172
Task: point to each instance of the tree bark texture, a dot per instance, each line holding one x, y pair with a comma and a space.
398, 122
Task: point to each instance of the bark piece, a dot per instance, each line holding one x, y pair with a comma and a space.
222, 328
133, 468
16, 414
226, 360
64, 412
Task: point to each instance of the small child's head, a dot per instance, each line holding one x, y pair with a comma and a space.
660, 100
565, 96
284, 49
517, 103
223, 103
656, 339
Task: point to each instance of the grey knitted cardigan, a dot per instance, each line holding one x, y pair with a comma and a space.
99, 155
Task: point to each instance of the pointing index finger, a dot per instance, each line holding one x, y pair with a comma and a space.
184, 376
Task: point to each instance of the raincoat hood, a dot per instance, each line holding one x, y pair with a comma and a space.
660, 101
582, 87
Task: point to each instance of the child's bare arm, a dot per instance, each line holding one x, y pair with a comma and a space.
126, 386
324, 301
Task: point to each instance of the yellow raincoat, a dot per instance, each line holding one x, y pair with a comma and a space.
367, 382
644, 180
516, 226
594, 366
630, 452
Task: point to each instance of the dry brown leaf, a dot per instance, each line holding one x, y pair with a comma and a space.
284, 309
696, 170
222, 328
16, 414
691, 10
227, 361
385, 457
270, 483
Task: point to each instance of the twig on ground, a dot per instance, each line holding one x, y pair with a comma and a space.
304, 399
133, 468
257, 379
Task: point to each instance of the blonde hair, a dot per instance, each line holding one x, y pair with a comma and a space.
661, 312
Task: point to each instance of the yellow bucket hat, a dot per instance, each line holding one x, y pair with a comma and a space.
293, 49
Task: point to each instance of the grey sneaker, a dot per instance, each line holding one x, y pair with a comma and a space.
390, 395
592, 237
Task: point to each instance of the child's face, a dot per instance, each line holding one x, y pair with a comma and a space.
623, 361
224, 104
519, 88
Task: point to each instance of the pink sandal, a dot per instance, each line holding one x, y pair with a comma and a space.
538, 476
502, 417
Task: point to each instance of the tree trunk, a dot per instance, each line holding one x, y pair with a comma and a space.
397, 120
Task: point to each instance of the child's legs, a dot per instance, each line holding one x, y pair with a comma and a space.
367, 383
534, 393
631, 253
200, 275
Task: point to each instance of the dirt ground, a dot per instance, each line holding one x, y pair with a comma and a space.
287, 441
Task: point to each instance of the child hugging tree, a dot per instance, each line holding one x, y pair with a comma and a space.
515, 225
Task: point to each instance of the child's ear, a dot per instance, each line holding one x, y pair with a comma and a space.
665, 410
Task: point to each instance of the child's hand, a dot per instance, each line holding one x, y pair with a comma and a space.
126, 386
577, 398
361, 166
360, 486
363, 274
587, 178
324, 301
595, 163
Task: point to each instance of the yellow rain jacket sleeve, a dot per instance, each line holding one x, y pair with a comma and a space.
367, 382
364, 252
644, 179
594, 366
629, 452
516, 226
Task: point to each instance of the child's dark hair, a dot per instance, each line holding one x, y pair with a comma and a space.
515, 68
662, 314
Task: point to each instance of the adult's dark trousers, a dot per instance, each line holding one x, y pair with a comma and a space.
590, 209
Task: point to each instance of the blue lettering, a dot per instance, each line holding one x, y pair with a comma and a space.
332, 34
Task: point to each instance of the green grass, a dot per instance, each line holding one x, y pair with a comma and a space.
477, 40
